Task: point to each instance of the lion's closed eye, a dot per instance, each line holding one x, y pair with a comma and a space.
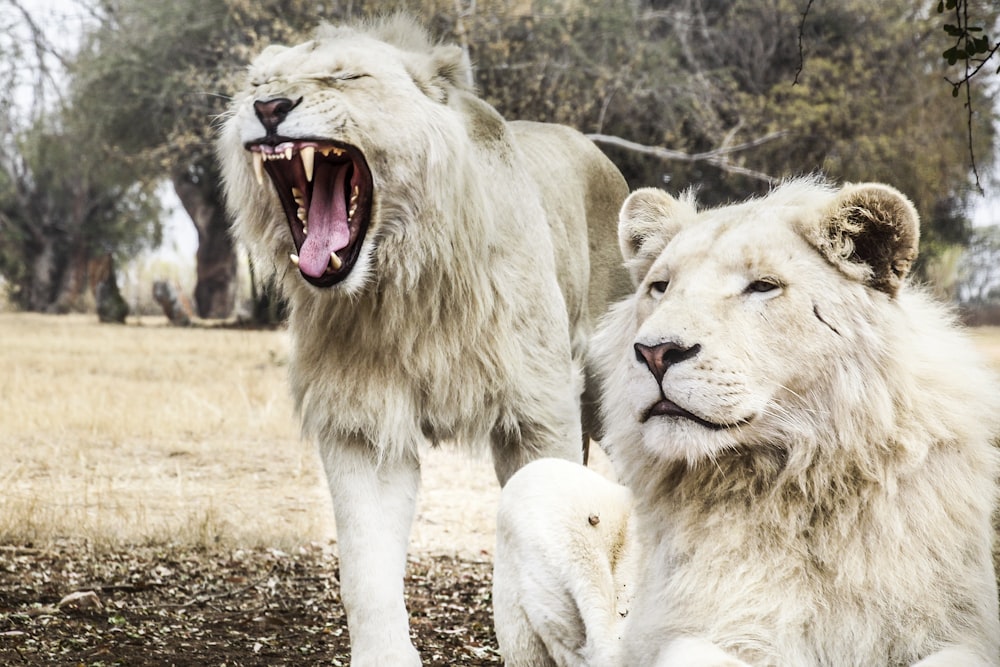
340, 77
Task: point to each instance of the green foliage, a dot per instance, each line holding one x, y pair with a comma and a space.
149, 80
971, 41
855, 88
64, 202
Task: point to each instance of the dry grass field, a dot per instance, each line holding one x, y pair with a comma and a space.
148, 433
988, 340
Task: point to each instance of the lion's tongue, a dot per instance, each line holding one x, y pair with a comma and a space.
328, 230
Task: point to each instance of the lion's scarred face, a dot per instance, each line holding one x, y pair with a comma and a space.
731, 301
312, 124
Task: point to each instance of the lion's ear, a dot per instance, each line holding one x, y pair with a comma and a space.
871, 233
452, 66
649, 218
443, 70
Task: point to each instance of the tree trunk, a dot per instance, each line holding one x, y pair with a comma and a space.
198, 189
71, 294
111, 307
38, 288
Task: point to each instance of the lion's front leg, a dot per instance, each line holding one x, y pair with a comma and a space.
373, 504
543, 419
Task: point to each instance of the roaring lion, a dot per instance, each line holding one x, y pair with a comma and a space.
804, 440
443, 267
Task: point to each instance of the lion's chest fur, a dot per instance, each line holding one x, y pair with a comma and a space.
401, 367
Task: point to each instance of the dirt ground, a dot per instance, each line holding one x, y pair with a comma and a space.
182, 606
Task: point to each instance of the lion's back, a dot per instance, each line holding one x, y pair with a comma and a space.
582, 191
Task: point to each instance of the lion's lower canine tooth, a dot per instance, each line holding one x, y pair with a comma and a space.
308, 155
258, 167
294, 258
335, 261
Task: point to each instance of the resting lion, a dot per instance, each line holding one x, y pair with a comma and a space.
443, 268
806, 445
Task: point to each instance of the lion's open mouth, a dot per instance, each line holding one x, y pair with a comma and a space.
326, 191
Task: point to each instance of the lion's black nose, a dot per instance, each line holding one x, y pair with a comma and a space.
271, 113
658, 358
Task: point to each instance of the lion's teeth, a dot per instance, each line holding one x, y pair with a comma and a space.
301, 212
294, 258
354, 209
308, 155
335, 261
258, 167
288, 153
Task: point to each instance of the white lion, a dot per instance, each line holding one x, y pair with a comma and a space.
443, 268
806, 445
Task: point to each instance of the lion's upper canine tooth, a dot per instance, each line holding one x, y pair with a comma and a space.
308, 155
294, 258
258, 167
335, 261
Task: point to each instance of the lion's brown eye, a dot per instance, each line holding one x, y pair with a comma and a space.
657, 288
764, 285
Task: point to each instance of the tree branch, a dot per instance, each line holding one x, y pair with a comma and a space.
967, 46
717, 157
802, 57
